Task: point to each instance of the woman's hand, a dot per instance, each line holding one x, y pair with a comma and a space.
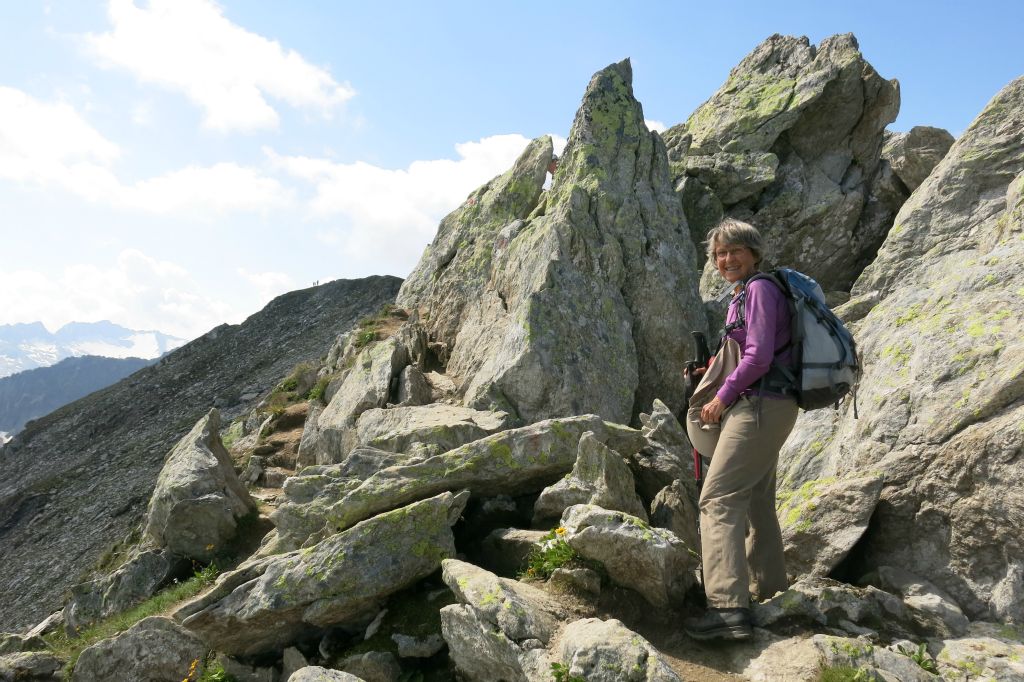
711, 413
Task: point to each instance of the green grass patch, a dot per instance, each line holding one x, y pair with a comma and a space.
70, 648
560, 673
921, 657
552, 552
215, 672
318, 390
845, 673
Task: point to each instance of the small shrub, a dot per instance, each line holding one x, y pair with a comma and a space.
214, 672
921, 657
560, 673
552, 552
318, 390
365, 337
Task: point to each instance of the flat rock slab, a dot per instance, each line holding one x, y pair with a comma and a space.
426, 429
826, 602
272, 602
507, 463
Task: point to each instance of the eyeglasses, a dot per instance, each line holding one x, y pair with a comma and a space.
734, 251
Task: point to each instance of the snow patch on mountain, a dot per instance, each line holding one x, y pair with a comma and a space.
28, 346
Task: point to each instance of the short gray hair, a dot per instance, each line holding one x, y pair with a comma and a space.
737, 233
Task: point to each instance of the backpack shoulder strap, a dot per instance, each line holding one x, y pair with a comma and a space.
772, 277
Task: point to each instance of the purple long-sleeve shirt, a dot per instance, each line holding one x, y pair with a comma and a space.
768, 329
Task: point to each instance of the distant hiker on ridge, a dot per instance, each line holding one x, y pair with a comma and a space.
740, 537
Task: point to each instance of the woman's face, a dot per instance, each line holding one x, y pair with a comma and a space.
735, 263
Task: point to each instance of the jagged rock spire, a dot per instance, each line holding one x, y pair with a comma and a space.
585, 302
791, 142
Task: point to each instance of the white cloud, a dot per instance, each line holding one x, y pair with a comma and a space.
390, 214
189, 46
138, 291
268, 285
656, 126
219, 188
51, 145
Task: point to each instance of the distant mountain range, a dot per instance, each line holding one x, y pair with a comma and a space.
31, 345
31, 394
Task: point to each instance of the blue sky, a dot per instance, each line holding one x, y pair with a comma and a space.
173, 164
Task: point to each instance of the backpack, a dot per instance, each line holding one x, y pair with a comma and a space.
825, 365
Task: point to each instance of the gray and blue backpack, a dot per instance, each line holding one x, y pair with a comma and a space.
825, 367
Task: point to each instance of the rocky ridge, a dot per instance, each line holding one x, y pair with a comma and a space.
78, 480
449, 522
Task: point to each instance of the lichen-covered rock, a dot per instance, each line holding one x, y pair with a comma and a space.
367, 385
505, 550
767, 657
509, 462
914, 154
579, 580
875, 661
247, 673
667, 456
827, 602
314, 673
823, 519
418, 647
29, 666
733, 177
155, 648
481, 652
584, 304
413, 388
519, 610
939, 399
500, 630
15, 643
651, 561
922, 596
988, 652
309, 445
139, 578
675, 509
427, 429
292, 660
198, 500
372, 666
271, 602
791, 142
600, 477
607, 651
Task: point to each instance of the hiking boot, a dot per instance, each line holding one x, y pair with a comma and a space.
725, 624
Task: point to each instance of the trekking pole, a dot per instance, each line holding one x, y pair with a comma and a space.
701, 360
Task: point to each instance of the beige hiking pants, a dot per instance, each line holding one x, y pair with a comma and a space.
738, 525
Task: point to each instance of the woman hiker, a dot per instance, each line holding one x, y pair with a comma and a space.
740, 537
